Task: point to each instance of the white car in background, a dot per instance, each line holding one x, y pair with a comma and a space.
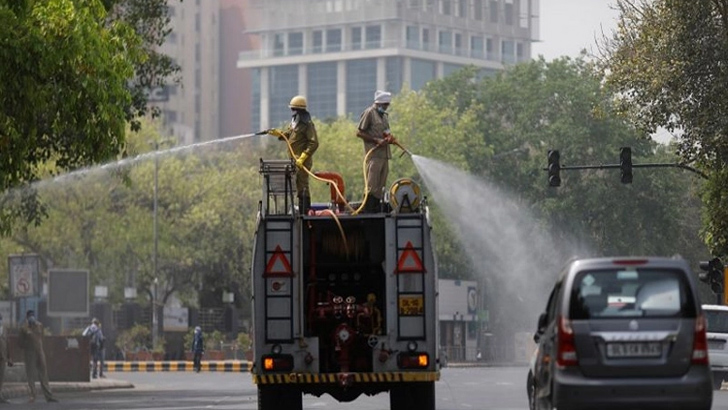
717, 319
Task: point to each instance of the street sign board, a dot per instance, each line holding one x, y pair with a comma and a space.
68, 293
24, 275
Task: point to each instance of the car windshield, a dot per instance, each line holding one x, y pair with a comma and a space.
630, 292
717, 320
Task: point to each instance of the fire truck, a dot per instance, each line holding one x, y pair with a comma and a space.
344, 303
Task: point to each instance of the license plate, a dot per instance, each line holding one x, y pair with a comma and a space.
634, 349
716, 344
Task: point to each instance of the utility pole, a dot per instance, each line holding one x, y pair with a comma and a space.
155, 319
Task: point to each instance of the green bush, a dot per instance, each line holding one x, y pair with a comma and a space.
134, 339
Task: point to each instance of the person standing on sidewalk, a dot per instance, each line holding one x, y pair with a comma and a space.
31, 341
96, 345
198, 349
4, 358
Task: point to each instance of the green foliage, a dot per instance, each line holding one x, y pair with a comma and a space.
664, 63
214, 340
244, 341
134, 339
67, 94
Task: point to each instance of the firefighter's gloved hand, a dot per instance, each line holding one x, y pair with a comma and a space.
301, 159
276, 133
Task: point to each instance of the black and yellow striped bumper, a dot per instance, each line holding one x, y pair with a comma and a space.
178, 366
309, 378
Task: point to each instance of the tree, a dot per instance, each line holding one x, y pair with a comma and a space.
664, 62
67, 90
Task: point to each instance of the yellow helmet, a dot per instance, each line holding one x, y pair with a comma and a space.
299, 102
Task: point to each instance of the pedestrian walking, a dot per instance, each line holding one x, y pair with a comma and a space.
4, 358
31, 341
301, 134
96, 347
198, 349
374, 130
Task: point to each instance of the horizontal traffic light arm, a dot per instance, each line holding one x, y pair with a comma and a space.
657, 165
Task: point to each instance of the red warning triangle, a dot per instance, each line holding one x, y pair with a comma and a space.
409, 261
278, 264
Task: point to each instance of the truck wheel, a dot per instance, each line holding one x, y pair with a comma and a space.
420, 396
279, 397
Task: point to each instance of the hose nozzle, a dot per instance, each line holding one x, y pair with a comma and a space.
404, 150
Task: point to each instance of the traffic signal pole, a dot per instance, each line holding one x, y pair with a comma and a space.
625, 165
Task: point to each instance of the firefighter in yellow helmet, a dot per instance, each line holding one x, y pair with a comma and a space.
301, 134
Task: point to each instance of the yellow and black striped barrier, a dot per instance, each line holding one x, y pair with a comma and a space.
176, 366
327, 378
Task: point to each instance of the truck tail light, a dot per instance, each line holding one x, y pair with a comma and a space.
413, 360
277, 363
700, 342
566, 350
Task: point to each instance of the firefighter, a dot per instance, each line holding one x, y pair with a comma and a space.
31, 341
373, 129
301, 134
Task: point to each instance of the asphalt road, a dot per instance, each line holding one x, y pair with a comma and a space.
498, 388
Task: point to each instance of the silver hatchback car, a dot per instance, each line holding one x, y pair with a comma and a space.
625, 333
717, 322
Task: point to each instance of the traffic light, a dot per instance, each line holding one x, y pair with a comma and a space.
625, 164
713, 275
554, 168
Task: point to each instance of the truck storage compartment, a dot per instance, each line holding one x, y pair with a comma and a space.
344, 284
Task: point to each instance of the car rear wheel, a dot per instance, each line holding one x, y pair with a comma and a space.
531, 391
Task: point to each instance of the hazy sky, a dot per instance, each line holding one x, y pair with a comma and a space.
568, 26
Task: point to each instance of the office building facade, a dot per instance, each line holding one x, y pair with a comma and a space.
338, 52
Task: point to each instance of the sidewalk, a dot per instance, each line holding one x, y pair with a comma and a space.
20, 389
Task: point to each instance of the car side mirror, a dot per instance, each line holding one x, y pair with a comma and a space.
542, 322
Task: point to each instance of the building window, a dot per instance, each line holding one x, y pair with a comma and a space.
430, 5
394, 74
318, 41
508, 52
508, 12
519, 52
170, 116
476, 47
295, 43
426, 39
283, 83
278, 45
461, 8
446, 7
322, 80
333, 40
198, 24
356, 38
422, 72
459, 44
478, 10
493, 11
413, 37
445, 42
448, 69
361, 82
489, 49
198, 53
198, 78
374, 36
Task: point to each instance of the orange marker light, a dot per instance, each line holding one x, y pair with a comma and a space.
268, 363
422, 360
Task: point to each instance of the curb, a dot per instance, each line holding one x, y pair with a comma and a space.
238, 366
15, 390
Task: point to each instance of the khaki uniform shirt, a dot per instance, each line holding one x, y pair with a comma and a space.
374, 124
302, 136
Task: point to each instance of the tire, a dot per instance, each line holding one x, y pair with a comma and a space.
279, 397
406, 396
717, 382
531, 392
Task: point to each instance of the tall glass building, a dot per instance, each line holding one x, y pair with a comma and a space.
338, 52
